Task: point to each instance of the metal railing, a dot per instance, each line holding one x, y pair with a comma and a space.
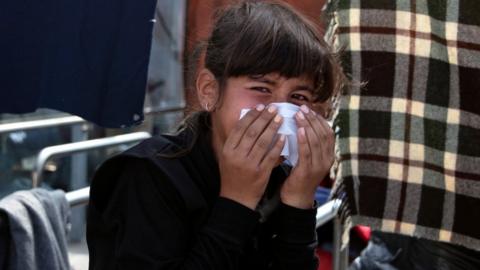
70, 148
78, 197
78, 173
43, 123
68, 120
325, 213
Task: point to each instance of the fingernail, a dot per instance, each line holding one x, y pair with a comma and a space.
282, 137
301, 115
260, 107
304, 108
277, 118
314, 113
272, 108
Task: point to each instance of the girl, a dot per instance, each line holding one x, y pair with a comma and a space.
215, 195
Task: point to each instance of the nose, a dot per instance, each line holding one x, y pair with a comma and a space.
280, 97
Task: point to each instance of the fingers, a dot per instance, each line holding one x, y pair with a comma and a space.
325, 134
270, 159
314, 120
255, 130
304, 152
242, 125
311, 138
264, 142
319, 135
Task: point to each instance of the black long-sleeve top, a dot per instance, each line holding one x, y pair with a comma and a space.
151, 212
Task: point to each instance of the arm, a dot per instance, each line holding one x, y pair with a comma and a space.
148, 228
297, 238
294, 246
246, 163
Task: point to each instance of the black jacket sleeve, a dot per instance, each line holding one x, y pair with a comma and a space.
145, 226
296, 240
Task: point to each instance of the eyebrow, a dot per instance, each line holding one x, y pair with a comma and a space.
304, 87
263, 79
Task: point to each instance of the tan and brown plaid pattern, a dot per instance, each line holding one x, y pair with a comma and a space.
409, 139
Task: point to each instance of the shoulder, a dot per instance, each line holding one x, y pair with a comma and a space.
153, 146
137, 158
145, 154
144, 166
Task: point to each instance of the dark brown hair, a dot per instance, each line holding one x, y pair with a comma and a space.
261, 37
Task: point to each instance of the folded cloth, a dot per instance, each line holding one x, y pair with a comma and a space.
38, 222
288, 128
408, 140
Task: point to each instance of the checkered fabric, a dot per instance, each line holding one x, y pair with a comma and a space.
409, 137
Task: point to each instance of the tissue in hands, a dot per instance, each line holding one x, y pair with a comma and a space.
288, 128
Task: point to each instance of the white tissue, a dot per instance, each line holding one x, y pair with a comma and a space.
288, 128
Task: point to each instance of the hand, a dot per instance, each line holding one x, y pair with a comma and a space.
316, 143
246, 160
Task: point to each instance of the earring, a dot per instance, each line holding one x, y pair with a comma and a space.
206, 106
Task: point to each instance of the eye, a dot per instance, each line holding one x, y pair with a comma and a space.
301, 97
261, 89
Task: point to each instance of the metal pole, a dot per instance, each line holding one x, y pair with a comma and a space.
70, 148
78, 179
44, 123
78, 197
340, 256
151, 110
325, 213
69, 120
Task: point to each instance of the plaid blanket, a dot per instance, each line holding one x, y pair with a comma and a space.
409, 136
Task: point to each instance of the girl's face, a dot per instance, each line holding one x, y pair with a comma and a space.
248, 91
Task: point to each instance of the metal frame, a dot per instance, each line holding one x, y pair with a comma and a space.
65, 149
43, 123
340, 254
152, 110
78, 197
67, 120
61, 121
325, 213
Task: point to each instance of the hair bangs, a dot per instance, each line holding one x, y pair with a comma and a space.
286, 55
270, 43
257, 38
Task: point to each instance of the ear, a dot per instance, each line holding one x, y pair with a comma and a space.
207, 89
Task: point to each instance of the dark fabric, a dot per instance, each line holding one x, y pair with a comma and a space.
5, 239
151, 212
37, 226
376, 256
387, 251
408, 138
88, 58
